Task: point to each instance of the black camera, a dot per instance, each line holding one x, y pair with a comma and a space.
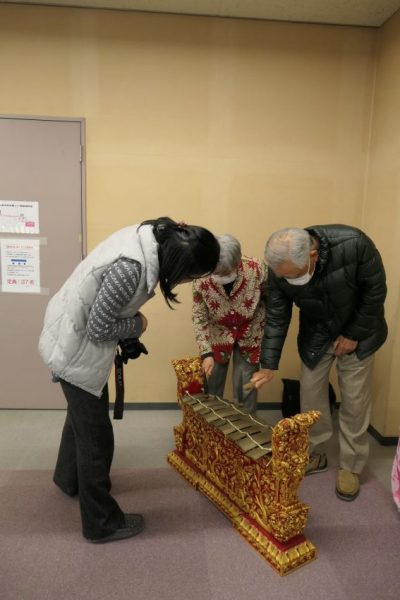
131, 348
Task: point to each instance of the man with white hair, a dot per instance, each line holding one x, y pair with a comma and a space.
335, 276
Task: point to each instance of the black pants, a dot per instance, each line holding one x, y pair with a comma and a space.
84, 461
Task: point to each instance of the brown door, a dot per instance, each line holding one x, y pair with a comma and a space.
40, 160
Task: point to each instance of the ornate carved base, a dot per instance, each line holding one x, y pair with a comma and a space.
284, 557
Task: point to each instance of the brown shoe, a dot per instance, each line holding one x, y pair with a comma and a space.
347, 485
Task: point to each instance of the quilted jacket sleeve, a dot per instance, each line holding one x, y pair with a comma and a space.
371, 283
278, 316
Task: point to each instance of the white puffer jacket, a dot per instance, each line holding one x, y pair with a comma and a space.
64, 344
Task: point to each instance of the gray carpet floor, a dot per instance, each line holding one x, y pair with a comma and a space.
29, 439
189, 550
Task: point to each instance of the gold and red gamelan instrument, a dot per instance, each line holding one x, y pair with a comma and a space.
248, 468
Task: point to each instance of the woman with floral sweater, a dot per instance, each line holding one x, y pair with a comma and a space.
228, 317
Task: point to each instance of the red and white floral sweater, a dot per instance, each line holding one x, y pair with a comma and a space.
220, 320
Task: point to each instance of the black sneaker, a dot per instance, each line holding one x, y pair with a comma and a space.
69, 491
317, 463
134, 524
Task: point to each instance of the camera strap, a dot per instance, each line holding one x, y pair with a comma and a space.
119, 386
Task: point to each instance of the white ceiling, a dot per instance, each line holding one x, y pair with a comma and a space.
371, 13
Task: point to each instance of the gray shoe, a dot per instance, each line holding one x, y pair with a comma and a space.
134, 524
317, 463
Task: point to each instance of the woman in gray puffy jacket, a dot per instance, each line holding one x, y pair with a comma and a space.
97, 306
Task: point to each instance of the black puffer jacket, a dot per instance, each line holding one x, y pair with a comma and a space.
344, 297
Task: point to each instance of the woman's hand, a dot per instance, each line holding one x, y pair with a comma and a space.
144, 321
262, 377
207, 365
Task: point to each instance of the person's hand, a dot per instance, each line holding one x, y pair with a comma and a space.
144, 321
343, 346
207, 365
262, 377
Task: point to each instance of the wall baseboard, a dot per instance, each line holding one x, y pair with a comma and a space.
383, 440
175, 406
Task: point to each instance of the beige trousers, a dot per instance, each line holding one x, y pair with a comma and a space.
355, 383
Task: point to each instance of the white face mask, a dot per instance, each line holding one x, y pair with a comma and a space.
224, 279
303, 279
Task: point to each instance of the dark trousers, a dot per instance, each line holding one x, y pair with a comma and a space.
84, 461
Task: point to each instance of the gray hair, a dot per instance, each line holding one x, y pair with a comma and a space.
230, 254
291, 244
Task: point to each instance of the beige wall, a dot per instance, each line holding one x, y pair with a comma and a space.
242, 126
382, 217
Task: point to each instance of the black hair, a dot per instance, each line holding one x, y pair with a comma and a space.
184, 252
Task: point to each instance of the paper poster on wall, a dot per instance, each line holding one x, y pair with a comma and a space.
19, 216
20, 266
